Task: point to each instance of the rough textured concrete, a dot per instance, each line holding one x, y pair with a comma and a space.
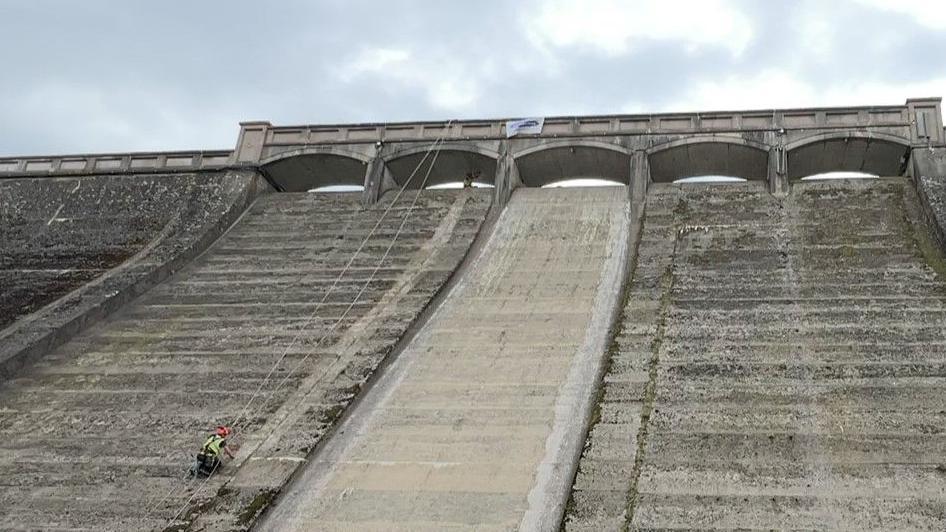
929, 175
477, 424
780, 366
97, 433
77, 249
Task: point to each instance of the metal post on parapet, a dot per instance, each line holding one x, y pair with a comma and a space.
249, 148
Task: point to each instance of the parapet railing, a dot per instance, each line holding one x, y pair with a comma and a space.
594, 125
114, 163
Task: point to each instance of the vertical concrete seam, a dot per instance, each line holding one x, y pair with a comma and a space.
650, 390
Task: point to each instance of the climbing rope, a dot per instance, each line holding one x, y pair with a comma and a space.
433, 148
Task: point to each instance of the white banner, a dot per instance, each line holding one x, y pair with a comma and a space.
528, 126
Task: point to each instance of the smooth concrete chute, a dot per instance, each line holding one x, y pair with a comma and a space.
451, 165
572, 160
714, 156
314, 170
847, 152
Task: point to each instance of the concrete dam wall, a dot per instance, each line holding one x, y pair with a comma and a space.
653, 356
119, 409
779, 364
775, 361
76, 249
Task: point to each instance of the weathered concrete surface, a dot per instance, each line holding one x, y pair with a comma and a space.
76, 249
478, 423
780, 366
97, 433
929, 175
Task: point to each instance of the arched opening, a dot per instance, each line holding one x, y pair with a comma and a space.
709, 179
570, 183
582, 163
449, 166
851, 153
338, 188
827, 176
705, 158
459, 184
308, 171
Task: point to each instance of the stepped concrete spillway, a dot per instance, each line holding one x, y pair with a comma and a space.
780, 365
96, 434
75, 249
478, 423
658, 356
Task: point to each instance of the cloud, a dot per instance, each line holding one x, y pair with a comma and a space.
780, 89
374, 61
928, 13
447, 83
616, 27
99, 76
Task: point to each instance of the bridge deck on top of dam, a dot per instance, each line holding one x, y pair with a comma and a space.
478, 422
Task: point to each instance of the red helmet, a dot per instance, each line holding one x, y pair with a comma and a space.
223, 431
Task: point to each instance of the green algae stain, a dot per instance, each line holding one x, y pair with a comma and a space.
256, 506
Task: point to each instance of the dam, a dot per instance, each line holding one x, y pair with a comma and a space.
658, 354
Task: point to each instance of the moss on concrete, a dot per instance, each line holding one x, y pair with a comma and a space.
650, 391
259, 503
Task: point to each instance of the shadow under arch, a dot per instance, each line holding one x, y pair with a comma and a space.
848, 151
310, 168
708, 155
453, 163
573, 159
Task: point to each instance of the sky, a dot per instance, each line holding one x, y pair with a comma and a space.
129, 75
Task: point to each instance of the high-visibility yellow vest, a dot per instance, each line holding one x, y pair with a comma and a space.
213, 444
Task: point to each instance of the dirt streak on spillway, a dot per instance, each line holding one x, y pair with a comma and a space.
478, 422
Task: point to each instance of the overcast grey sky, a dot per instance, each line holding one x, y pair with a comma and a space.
122, 75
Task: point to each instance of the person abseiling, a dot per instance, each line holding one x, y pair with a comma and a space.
208, 459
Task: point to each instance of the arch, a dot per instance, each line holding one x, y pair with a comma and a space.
709, 180
708, 155
453, 162
847, 151
578, 183
564, 160
315, 167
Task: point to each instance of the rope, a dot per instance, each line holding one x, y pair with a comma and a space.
364, 287
436, 145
